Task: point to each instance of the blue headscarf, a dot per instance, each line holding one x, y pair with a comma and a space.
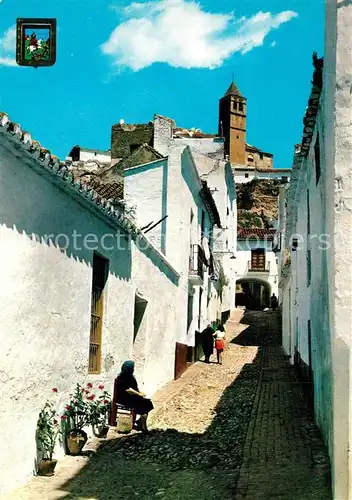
127, 368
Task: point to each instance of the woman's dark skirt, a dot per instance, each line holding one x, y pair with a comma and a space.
140, 405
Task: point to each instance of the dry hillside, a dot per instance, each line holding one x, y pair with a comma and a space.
257, 203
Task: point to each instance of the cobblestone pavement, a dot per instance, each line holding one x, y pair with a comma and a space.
197, 447
284, 457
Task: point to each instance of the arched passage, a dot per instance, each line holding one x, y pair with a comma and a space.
254, 293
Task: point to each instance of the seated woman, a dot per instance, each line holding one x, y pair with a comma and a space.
126, 393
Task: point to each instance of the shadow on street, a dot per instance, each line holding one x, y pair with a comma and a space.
175, 465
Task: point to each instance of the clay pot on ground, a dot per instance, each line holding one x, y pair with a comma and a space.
101, 431
75, 441
46, 467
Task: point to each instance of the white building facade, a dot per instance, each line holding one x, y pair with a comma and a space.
56, 237
256, 268
208, 155
316, 248
178, 213
244, 174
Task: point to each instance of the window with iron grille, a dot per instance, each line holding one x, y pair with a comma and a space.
100, 272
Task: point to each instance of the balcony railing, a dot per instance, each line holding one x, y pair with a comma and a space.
258, 268
197, 261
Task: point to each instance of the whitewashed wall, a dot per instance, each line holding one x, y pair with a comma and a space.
242, 176
95, 155
45, 313
171, 187
327, 300
338, 152
218, 175
145, 187
204, 146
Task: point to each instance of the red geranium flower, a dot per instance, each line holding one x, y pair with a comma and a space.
89, 385
86, 391
54, 389
101, 387
63, 417
91, 397
105, 401
82, 389
68, 407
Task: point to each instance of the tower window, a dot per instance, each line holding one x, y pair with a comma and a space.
234, 105
250, 159
240, 106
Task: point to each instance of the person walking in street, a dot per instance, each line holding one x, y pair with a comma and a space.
219, 342
274, 302
126, 393
208, 343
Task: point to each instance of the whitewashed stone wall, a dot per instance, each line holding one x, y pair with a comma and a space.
242, 175
205, 146
95, 155
145, 187
338, 153
171, 187
218, 175
46, 298
326, 301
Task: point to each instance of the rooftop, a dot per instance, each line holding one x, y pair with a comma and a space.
255, 234
233, 90
249, 147
192, 133
89, 150
61, 174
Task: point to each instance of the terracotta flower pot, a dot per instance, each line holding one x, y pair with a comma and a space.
46, 467
75, 440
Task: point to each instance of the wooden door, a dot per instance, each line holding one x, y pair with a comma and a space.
258, 260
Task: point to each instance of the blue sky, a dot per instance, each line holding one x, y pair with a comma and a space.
130, 60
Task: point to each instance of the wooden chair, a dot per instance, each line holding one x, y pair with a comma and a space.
124, 424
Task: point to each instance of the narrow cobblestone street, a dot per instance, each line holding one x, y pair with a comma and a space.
238, 430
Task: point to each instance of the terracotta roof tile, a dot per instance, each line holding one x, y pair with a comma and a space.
109, 190
255, 233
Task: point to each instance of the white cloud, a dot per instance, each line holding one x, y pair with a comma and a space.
8, 47
181, 34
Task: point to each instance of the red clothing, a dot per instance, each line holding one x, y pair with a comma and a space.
219, 344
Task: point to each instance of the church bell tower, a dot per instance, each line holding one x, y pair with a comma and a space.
232, 124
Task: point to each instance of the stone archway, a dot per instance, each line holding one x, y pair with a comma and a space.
255, 293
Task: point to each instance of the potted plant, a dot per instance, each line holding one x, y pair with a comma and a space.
99, 408
76, 417
48, 430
